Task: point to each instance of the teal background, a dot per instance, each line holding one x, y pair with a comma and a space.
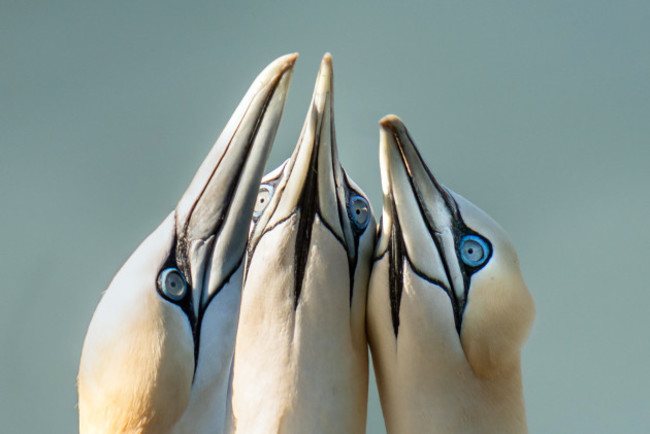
537, 112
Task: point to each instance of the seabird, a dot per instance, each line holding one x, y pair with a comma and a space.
301, 363
448, 310
158, 352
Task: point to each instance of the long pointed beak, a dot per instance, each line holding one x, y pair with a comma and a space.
423, 211
308, 185
213, 216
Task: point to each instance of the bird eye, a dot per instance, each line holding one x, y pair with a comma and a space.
172, 283
474, 250
359, 212
263, 199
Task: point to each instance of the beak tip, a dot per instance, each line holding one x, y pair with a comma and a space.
289, 59
391, 122
277, 69
325, 71
324, 85
390, 125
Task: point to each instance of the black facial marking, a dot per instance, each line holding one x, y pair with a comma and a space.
396, 254
307, 208
308, 204
187, 302
451, 205
196, 329
179, 256
397, 258
183, 242
303, 239
459, 230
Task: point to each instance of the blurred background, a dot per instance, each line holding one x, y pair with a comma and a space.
538, 113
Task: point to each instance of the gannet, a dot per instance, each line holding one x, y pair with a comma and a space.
448, 310
158, 352
301, 361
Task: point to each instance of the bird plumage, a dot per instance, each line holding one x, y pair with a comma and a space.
158, 352
445, 306
448, 310
301, 353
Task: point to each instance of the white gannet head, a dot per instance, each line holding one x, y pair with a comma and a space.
311, 188
165, 326
447, 302
301, 351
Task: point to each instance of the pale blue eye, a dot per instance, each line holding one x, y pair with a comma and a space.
172, 283
359, 211
263, 199
474, 250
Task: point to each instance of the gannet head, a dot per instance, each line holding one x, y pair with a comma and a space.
174, 303
301, 350
450, 247
312, 188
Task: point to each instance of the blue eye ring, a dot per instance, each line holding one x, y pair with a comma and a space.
468, 248
359, 212
172, 284
260, 205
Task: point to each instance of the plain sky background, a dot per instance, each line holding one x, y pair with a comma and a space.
538, 112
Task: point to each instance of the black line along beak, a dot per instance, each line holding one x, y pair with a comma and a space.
310, 186
213, 216
419, 219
